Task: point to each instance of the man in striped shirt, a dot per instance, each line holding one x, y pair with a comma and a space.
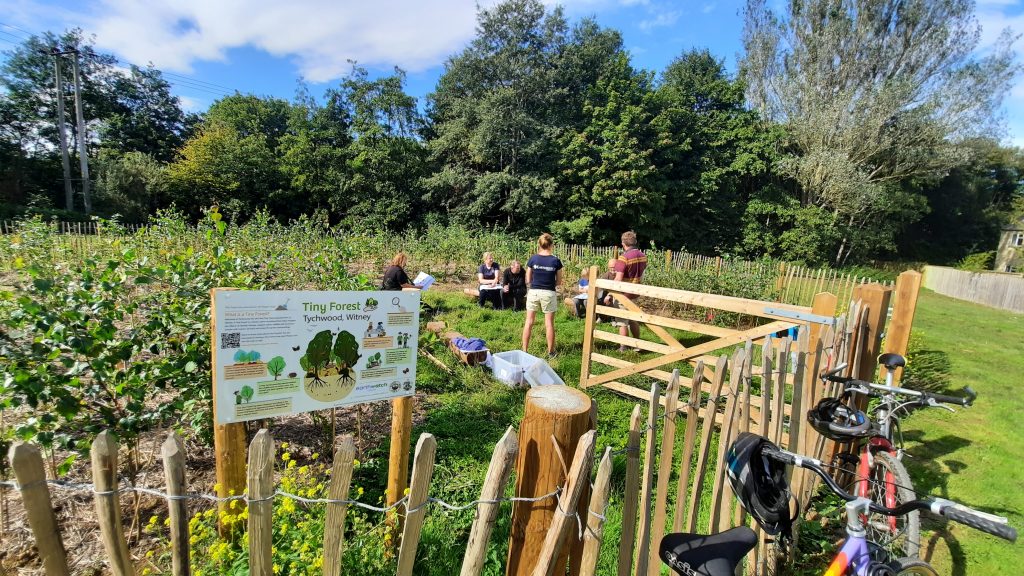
630, 268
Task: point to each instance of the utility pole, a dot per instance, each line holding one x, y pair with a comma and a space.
69, 194
83, 153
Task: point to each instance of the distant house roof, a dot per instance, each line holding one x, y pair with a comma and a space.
1013, 226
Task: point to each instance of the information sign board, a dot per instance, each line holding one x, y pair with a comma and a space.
284, 352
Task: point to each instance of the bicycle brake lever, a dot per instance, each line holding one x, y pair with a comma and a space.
935, 404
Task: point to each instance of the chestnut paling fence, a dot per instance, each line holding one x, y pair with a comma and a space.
763, 386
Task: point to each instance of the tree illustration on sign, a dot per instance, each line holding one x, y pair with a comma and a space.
317, 357
345, 355
276, 366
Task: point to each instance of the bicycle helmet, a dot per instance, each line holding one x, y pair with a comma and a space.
760, 483
835, 420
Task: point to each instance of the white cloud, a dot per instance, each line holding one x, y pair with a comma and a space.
320, 35
709, 8
660, 20
190, 104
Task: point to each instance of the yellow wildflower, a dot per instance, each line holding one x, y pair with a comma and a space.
286, 456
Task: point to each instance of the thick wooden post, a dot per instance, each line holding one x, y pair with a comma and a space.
261, 505
108, 505
897, 335
576, 483
668, 259
27, 463
502, 459
551, 411
177, 510
419, 488
631, 494
876, 298
228, 439
398, 461
334, 524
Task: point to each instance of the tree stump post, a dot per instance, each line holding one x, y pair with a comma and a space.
562, 413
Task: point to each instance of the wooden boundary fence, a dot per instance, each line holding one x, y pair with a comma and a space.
998, 290
765, 386
27, 463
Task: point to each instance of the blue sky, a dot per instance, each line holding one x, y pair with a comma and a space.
212, 47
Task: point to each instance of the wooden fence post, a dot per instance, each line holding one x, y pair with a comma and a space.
228, 439
668, 443
27, 463
668, 259
568, 503
334, 524
108, 506
588, 326
594, 534
398, 463
177, 509
876, 298
824, 304
551, 411
692, 415
502, 459
897, 335
261, 504
629, 498
705, 443
715, 519
419, 487
644, 536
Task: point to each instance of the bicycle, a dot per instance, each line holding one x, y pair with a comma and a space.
757, 476
876, 464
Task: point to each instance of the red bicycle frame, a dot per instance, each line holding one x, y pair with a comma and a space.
863, 487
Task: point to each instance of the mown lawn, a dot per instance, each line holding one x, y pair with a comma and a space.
975, 456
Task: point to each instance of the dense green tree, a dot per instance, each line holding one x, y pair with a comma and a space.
872, 94
145, 116
218, 165
124, 111
967, 208
608, 164
133, 185
714, 153
234, 157
385, 161
314, 150
494, 118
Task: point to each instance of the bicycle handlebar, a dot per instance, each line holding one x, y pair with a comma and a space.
947, 508
926, 398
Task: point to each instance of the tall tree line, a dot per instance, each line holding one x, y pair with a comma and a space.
855, 129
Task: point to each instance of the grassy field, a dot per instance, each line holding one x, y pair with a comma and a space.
975, 456
972, 456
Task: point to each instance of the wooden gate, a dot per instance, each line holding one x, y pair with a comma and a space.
767, 319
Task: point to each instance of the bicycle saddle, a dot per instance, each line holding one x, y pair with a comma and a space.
711, 555
892, 361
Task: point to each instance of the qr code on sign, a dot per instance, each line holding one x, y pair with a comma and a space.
230, 339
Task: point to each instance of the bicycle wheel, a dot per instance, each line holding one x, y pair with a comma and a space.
912, 567
890, 486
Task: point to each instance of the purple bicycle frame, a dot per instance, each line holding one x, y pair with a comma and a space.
855, 550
